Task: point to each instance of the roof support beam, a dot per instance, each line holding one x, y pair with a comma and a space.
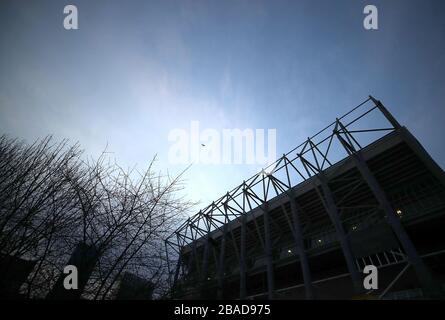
329, 203
413, 257
341, 234
299, 244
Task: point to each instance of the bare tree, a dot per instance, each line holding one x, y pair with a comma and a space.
52, 199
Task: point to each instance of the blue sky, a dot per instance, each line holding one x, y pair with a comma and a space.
137, 69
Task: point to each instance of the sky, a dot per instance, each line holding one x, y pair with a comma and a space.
135, 70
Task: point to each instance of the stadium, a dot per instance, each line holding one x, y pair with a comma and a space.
362, 191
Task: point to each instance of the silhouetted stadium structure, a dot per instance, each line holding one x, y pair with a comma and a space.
361, 191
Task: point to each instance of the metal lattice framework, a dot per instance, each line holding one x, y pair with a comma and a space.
345, 137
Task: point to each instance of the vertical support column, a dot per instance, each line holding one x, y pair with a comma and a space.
173, 288
423, 273
331, 207
205, 264
243, 288
178, 267
190, 266
222, 253
268, 251
419, 266
299, 244
205, 258
194, 256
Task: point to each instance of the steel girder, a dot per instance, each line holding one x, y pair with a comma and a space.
307, 161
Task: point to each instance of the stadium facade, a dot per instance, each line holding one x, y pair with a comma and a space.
362, 191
